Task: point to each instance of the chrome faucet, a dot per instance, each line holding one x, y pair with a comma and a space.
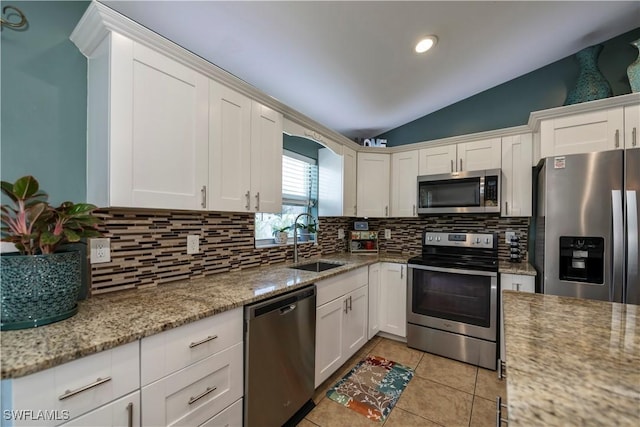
295, 234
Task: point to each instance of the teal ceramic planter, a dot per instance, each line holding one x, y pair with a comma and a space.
38, 289
633, 71
591, 84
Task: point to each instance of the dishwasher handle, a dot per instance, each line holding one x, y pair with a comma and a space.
283, 304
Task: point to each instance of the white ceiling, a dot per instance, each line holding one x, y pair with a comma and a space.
350, 65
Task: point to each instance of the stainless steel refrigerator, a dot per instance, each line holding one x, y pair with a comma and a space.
587, 226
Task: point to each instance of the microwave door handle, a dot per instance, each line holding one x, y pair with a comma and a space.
632, 241
617, 254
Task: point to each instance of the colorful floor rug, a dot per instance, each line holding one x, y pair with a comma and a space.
373, 387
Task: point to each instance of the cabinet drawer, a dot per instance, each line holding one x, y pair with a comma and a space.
172, 350
193, 395
76, 387
114, 414
335, 287
230, 417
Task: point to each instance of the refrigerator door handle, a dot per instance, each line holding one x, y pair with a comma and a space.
632, 237
615, 288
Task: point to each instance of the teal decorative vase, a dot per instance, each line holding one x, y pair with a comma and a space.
633, 71
38, 289
591, 84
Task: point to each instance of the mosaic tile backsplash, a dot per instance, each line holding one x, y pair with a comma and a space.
149, 247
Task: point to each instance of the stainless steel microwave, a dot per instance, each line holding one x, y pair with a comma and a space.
459, 192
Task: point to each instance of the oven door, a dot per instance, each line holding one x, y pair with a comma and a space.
453, 300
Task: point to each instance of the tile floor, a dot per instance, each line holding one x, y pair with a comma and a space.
443, 392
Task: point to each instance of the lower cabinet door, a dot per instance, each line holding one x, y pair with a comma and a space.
374, 300
192, 395
230, 417
329, 337
355, 332
393, 299
124, 412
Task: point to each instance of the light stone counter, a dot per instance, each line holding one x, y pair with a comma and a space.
109, 320
571, 362
523, 268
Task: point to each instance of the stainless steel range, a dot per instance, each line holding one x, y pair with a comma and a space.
452, 297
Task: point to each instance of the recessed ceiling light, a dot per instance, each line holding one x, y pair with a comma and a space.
426, 43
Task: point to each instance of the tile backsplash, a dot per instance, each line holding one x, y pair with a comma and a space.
148, 247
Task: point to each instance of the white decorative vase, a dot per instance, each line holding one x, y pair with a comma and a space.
281, 237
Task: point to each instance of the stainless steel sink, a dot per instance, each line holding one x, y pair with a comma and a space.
317, 266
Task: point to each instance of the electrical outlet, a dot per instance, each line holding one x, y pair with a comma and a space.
193, 244
100, 250
340, 233
387, 233
508, 235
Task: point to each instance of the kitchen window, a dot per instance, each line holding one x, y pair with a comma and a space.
299, 195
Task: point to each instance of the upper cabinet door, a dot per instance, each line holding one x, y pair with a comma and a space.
153, 140
266, 159
582, 133
631, 126
373, 185
404, 179
479, 155
229, 149
517, 152
437, 160
349, 181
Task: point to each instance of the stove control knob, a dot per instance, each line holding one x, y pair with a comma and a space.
430, 238
487, 240
438, 239
477, 240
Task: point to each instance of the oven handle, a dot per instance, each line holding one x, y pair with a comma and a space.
454, 270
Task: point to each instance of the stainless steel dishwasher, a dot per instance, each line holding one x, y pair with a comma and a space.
279, 358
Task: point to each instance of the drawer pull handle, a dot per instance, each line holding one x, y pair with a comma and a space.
68, 393
502, 368
207, 339
499, 406
130, 414
201, 395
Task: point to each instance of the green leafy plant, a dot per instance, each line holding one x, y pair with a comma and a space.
35, 227
281, 229
311, 228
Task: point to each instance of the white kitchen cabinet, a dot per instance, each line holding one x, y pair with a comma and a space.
374, 300
404, 174
124, 412
393, 299
245, 153
373, 185
513, 282
517, 153
631, 126
583, 132
461, 157
341, 320
77, 387
147, 128
230, 417
336, 182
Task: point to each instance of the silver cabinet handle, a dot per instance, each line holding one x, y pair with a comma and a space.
130, 414
355, 209
517, 286
350, 303
451, 165
506, 208
460, 165
201, 395
346, 305
258, 201
499, 406
402, 271
634, 137
203, 196
502, 367
617, 138
414, 210
386, 211
248, 196
68, 393
207, 339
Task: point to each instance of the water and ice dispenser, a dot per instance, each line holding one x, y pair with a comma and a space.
582, 259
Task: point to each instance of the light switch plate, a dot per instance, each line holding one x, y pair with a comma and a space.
340, 233
193, 244
508, 235
100, 250
387, 233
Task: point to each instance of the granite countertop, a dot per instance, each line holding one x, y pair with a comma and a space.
523, 268
571, 361
109, 320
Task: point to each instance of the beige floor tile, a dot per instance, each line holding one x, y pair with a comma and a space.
331, 414
401, 418
436, 402
449, 372
483, 413
398, 352
306, 423
489, 386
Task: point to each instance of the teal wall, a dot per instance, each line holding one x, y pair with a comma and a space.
302, 146
510, 103
44, 100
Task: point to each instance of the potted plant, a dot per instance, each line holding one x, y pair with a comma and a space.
281, 235
306, 230
40, 283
